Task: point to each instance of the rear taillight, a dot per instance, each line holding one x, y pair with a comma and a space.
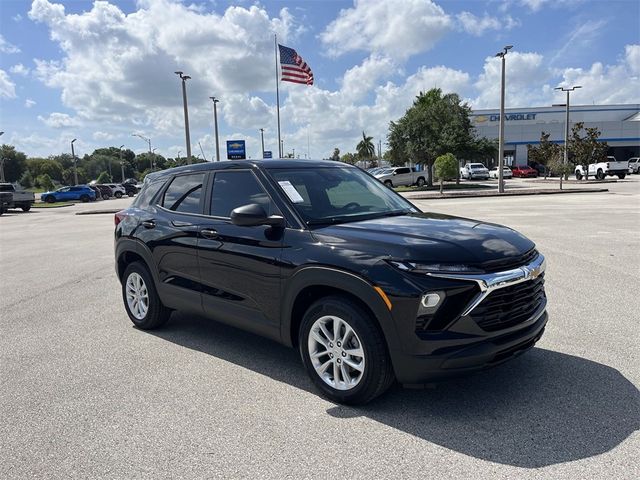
118, 217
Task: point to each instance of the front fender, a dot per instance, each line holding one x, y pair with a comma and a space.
320, 276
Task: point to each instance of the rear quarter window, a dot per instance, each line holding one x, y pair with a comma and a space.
147, 193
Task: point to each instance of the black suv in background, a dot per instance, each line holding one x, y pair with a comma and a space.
320, 256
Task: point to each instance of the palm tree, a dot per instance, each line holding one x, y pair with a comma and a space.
365, 148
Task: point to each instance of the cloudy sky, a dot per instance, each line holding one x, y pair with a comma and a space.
104, 70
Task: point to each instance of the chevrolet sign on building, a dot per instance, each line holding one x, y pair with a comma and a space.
619, 126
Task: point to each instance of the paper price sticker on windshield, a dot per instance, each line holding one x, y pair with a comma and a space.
291, 191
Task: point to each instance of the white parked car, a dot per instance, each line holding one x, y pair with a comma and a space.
602, 169
474, 171
118, 190
402, 176
634, 165
506, 172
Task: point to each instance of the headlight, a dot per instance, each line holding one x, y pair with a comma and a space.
434, 267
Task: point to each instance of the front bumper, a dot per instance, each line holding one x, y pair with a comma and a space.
469, 357
467, 342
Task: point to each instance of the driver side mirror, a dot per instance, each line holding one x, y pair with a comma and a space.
252, 215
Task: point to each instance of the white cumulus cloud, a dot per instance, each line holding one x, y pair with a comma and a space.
6, 47
59, 120
7, 87
477, 26
19, 69
28, 103
398, 28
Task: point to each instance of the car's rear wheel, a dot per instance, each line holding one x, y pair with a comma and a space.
118, 194
26, 208
388, 183
600, 175
622, 175
50, 199
578, 175
420, 182
141, 299
344, 351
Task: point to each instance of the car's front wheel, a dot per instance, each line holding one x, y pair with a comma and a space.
141, 299
388, 183
118, 194
622, 175
50, 199
344, 351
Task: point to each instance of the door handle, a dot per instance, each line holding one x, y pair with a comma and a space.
149, 224
178, 223
209, 233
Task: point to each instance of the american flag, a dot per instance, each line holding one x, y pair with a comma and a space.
294, 68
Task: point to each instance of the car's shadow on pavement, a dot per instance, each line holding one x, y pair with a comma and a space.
541, 409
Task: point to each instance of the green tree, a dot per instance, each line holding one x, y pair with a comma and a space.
336, 155
26, 180
446, 168
104, 177
434, 125
586, 149
349, 158
42, 166
544, 153
14, 163
44, 181
365, 148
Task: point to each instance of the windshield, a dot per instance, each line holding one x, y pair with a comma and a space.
328, 195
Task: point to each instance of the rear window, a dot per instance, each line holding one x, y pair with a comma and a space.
476, 165
147, 193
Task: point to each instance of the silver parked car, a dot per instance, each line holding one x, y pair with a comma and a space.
634, 165
474, 171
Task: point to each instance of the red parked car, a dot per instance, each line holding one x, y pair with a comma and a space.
524, 171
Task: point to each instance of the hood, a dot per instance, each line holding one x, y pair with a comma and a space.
428, 237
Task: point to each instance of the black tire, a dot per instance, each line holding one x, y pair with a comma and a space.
377, 376
1, 211
50, 199
84, 198
600, 175
26, 208
157, 314
622, 175
388, 183
578, 175
118, 194
420, 182
105, 196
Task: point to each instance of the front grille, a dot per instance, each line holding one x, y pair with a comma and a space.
509, 306
508, 263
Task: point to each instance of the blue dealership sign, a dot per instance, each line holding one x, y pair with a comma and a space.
267, 154
236, 150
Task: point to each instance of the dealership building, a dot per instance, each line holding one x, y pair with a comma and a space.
619, 126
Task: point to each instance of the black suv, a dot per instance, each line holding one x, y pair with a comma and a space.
320, 256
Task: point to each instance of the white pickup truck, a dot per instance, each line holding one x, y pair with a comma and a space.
402, 176
602, 169
19, 198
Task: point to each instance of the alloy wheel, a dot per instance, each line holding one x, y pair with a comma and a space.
137, 296
336, 352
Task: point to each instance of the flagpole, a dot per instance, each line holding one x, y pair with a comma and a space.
275, 42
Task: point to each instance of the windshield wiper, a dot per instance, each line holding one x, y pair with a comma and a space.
357, 218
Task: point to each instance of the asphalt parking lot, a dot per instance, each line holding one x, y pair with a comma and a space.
84, 394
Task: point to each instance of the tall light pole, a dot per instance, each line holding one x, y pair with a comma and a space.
565, 161
1, 164
121, 164
148, 140
502, 55
215, 123
262, 138
153, 159
184, 79
75, 163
